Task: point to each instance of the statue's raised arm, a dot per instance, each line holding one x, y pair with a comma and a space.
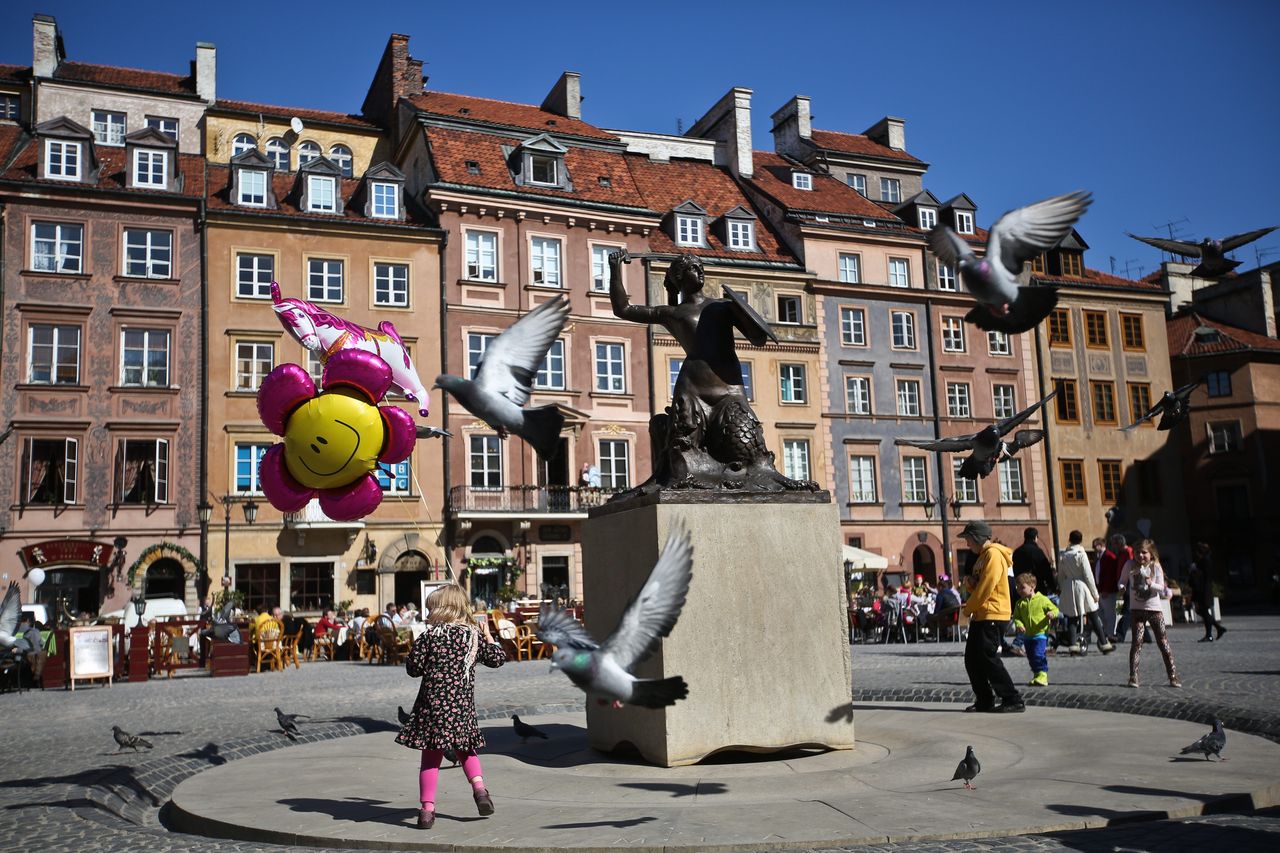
622, 307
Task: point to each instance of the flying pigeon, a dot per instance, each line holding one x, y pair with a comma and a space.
1171, 407
432, 432
1212, 743
987, 445
289, 723
1017, 237
124, 739
603, 670
1211, 252
10, 615
505, 375
968, 768
525, 731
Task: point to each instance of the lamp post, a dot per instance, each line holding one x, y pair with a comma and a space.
250, 516
139, 654
205, 512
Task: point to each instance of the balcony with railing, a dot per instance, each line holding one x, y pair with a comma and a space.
526, 500
312, 518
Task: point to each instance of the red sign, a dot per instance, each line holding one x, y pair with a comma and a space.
61, 551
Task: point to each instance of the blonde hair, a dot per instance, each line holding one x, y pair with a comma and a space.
1149, 546
448, 605
1026, 579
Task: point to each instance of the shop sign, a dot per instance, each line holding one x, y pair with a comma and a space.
62, 551
553, 532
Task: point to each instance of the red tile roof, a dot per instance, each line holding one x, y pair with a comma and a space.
10, 135
1097, 278
111, 171
15, 73
771, 173
857, 143
503, 113
284, 186
126, 78
286, 113
1183, 340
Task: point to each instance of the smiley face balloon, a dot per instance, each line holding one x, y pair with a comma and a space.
334, 439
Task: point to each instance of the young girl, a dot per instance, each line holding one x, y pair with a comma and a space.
444, 715
1144, 579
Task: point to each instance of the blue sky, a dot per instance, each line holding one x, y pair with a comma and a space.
1166, 109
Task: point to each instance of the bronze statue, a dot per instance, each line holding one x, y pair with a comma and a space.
709, 438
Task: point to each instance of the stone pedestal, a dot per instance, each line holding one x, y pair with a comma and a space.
762, 641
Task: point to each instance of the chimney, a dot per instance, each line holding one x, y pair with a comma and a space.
398, 76
792, 127
1268, 302
729, 121
47, 51
206, 71
565, 97
889, 131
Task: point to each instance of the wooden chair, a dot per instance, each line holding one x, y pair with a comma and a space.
270, 645
394, 648
166, 658
289, 648
322, 645
528, 646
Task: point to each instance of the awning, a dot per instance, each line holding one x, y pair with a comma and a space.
864, 560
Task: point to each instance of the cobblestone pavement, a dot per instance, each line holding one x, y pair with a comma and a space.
64, 787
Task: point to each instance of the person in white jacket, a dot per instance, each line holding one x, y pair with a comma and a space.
1079, 600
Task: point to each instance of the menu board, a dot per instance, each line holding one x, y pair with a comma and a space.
90, 653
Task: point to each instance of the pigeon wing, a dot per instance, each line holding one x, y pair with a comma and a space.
10, 610
560, 629
955, 444
1142, 420
962, 770
1198, 746
653, 612
1185, 391
1237, 240
948, 246
1024, 438
511, 361
1006, 425
1175, 247
1022, 234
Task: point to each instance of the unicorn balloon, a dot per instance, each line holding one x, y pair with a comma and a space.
325, 334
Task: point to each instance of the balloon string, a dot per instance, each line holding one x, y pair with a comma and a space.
422, 498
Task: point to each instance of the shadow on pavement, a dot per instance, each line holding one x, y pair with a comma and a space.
104, 778
356, 810
676, 789
615, 824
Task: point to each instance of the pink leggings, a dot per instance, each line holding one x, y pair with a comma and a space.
429, 774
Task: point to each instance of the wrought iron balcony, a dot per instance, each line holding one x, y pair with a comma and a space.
312, 517
527, 500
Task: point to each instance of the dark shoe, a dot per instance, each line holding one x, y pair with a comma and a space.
1221, 631
426, 818
1205, 640
484, 803
1010, 708
979, 709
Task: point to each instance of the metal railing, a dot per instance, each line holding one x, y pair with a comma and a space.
527, 499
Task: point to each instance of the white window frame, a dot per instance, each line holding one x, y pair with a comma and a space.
907, 392
308, 152
748, 381
928, 217
242, 142
150, 168
477, 269
477, 345
795, 458
600, 267
252, 187
1012, 488
959, 400
386, 200
487, 449
59, 242
688, 230
1004, 401
167, 126
802, 181
953, 336
390, 284
322, 194
790, 309
857, 395
850, 267
964, 222
966, 490
545, 261
258, 278
160, 468
395, 478
890, 189
899, 272
946, 277
610, 367
903, 325
999, 343
674, 365
741, 234
863, 488
279, 153
315, 366
147, 342
616, 455
250, 354
109, 127
323, 291
152, 243
853, 326
341, 156
792, 383
551, 375
57, 349
915, 480
1231, 434
858, 182
70, 468
67, 156
536, 158
250, 454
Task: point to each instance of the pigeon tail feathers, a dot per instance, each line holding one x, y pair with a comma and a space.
658, 693
541, 428
1027, 311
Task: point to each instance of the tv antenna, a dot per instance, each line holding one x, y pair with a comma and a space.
679, 127
1130, 263
1259, 253
1171, 227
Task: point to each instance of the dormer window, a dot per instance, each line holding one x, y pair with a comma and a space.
62, 160
689, 230
386, 202
278, 153
1072, 264
964, 222
341, 157
241, 143
307, 152
543, 169
108, 127
741, 235
473, 167
321, 194
384, 186
252, 188
539, 162
739, 230
928, 217
150, 168
802, 180
688, 225
10, 106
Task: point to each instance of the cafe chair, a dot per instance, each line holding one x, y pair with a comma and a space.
528, 646
270, 645
289, 648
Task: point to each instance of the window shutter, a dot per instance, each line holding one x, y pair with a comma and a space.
25, 494
162, 471
119, 487
69, 470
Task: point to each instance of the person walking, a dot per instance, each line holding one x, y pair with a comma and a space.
989, 611
1144, 579
1110, 565
1033, 616
1201, 578
1029, 557
444, 714
1080, 596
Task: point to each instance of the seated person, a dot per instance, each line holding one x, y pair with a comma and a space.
327, 625
265, 615
291, 625
28, 644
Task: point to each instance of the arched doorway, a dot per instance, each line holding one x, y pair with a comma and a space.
164, 580
411, 569
68, 592
924, 563
485, 579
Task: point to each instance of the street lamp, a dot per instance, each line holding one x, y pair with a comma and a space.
250, 516
139, 607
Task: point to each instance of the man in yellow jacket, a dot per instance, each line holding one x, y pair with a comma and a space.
989, 611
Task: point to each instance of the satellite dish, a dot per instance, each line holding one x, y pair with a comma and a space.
295, 124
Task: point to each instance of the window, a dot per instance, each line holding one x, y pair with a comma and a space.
391, 285
142, 471
543, 169
908, 398
167, 126
248, 459
928, 217
310, 586
9, 107
952, 334
394, 478
1003, 401
1104, 402
748, 383
789, 309
1218, 383
958, 405
610, 377
1067, 405
321, 194
857, 395
315, 367
1073, 491
741, 234
802, 181
49, 471
150, 168
482, 256
254, 274
1139, 400
964, 222
615, 468
1060, 327
386, 200
795, 458
278, 153
148, 254
1095, 329
792, 379
898, 273
998, 343
366, 582
862, 480
324, 279
890, 189
1109, 480
1038, 265
477, 343
54, 353
1011, 482
966, 490
253, 362
144, 358
57, 247
850, 266
1224, 436
858, 182
260, 584
946, 277
853, 327
551, 374
340, 155
62, 160
688, 231
600, 268
904, 329
546, 261
673, 373
307, 152
252, 186
1072, 264
241, 143
1131, 332
108, 127
915, 480
486, 462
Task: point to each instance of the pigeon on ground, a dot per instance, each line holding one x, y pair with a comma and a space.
1171, 407
525, 731
968, 768
1017, 237
10, 615
289, 723
124, 739
987, 445
603, 670
1212, 743
1211, 252
504, 379
404, 715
